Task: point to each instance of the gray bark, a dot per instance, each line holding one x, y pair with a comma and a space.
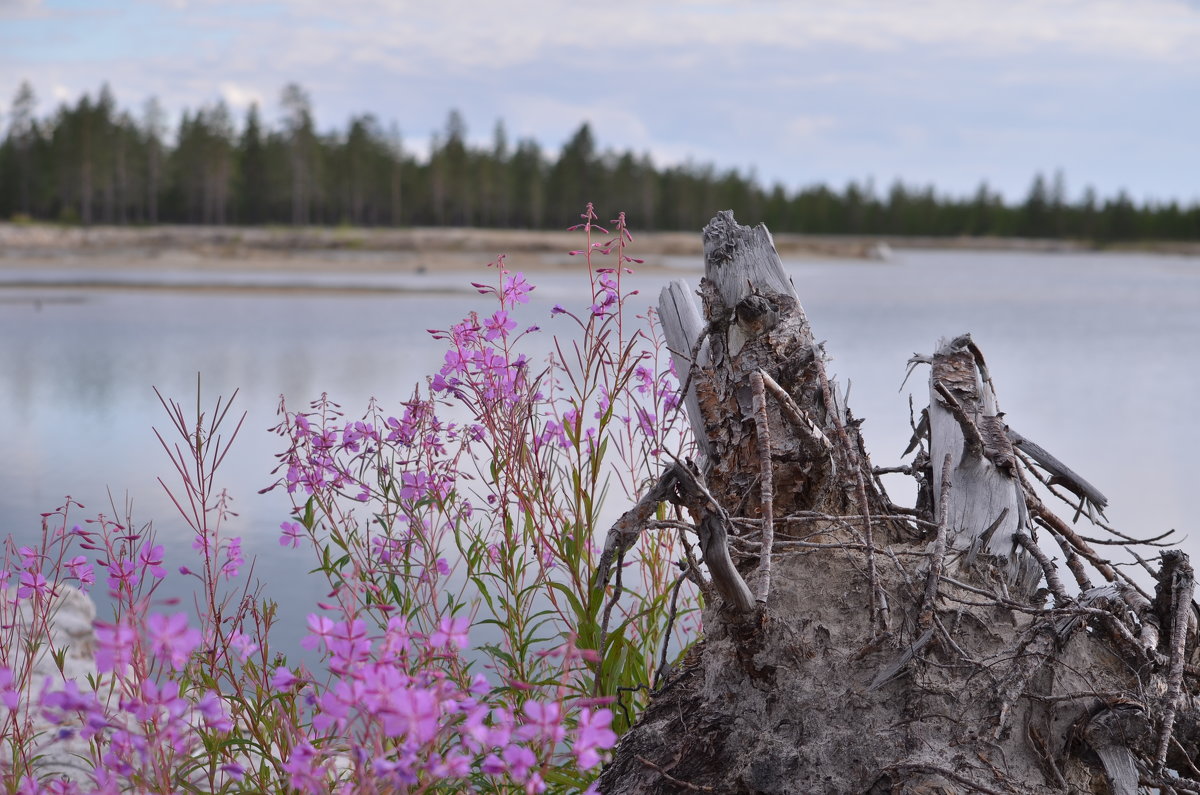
897, 650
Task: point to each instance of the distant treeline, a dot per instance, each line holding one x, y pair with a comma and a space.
93, 162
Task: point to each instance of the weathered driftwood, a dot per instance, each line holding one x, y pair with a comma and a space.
851, 645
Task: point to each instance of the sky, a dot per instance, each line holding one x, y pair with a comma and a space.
944, 92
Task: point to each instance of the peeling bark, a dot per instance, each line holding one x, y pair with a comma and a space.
891, 650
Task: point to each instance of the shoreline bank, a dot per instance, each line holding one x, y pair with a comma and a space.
49, 239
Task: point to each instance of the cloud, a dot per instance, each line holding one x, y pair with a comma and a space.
809, 126
952, 90
18, 8
240, 97
460, 33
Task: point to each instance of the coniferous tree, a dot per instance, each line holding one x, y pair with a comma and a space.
91, 161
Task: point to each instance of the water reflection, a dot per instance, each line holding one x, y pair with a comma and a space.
1094, 357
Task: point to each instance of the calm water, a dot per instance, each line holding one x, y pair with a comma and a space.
1094, 357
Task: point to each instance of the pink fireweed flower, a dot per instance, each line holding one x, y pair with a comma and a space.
155, 700
122, 576
320, 628
212, 709
31, 583
10, 696
60, 706
114, 646
233, 559
339, 703
412, 713
516, 289
396, 639
151, 559
291, 535
592, 736
244, 644
451, 632
492, 765
305, 769
349, 645
519, 760
498, 325
543, 721
29, 557
81, 570
171, 638
283, 679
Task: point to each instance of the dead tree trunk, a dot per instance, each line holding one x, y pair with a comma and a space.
854, 646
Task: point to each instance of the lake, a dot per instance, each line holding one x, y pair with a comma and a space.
1094, 356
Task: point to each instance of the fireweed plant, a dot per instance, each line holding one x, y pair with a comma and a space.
464, 643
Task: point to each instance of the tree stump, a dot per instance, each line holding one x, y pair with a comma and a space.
854, 646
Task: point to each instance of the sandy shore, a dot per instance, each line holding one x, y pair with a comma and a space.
358, 259
310, 250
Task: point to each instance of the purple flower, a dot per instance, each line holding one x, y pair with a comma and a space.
121, 575
233, 559
451, 631
543, 721
396, 639
29, 557
516, 289
60, 704
492, 765
9, 695
233, 770
152, 558
498, 325
212, 709
283, 679
81, 570
114, 646
349, 645
519, 760
32, 582
413, 714
171, 638
304, 768
292, 532
320, 628
592, 735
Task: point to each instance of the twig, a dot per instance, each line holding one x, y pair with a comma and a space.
711, 523
877, 612
1048, 568
922, 767
1052, 521
1177, 574
972, 439
794, 413
608, 608
676, 781
662, 663
937, 557
766, 486
1069, 553
625, 531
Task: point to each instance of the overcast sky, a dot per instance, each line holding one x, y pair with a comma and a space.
948, 92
